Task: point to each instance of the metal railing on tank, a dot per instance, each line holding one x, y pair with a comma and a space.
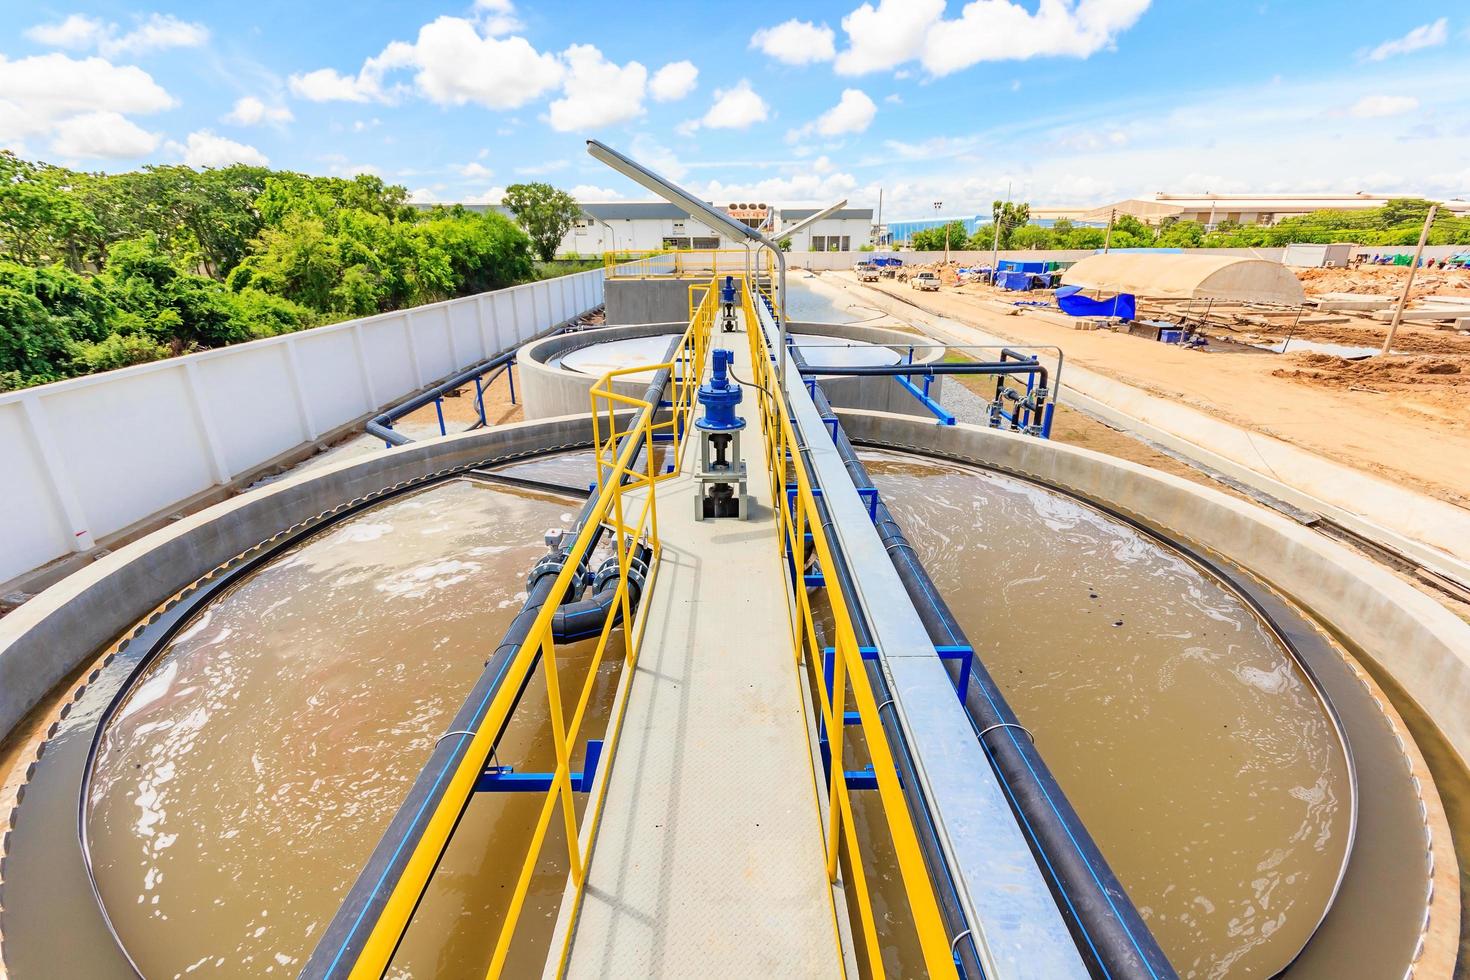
687, 263
626, 465
801, 533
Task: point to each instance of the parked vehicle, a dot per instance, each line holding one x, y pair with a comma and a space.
925, 280
866, 272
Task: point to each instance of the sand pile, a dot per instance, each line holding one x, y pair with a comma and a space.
1385, 281
1379, 373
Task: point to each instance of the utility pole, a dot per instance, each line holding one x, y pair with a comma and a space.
880, 236
1108, 238
995, 245
1398, 312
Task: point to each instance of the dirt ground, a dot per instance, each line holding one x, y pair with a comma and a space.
460, 412
1409, 423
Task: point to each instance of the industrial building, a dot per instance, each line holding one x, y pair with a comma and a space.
646, 225
1245, 209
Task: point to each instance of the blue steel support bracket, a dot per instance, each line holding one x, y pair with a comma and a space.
938, 410
505, 779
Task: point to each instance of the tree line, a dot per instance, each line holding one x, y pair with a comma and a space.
100, 271
1397, 222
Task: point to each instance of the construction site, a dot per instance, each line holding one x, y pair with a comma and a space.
719, 612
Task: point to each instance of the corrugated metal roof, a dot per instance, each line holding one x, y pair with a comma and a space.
797, 214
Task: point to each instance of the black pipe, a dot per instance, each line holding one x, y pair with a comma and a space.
902, 370
1107, 927
381, 425
343, 940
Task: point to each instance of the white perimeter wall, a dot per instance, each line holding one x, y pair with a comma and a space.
823, 261
88, 457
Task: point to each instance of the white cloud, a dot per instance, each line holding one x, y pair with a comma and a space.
251, 111
596, 92
205, 149
497, 17
1088, 139
475, 171
1423, 36
796, 42
39, 93
898, 31
423, 195
673, 81
455, 64
102, 134
326, 85
653, 154
157, 32
887, 35
1374, 106
736, 108
853, 113
995, 30
493, 196
590, 192
795, 189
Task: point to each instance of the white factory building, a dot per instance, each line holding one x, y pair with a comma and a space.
1245, 209
641, 226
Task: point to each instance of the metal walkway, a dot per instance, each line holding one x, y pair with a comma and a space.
709, 857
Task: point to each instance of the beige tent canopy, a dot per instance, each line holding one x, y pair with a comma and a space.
1174, 276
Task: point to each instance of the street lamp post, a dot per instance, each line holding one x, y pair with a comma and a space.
734, 230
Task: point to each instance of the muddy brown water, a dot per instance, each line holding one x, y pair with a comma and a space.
246, 780
1191, 744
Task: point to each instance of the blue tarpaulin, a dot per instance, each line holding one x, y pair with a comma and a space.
1014, 281
1073, 303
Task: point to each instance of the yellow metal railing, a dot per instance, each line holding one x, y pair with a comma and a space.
687, 263
634, 530
796, 520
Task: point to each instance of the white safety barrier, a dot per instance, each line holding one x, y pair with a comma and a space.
86, 458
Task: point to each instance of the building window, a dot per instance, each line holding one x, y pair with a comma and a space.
675, 242
831, 243
706, 243
678, 227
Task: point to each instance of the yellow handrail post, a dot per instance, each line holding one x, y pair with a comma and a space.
563, 778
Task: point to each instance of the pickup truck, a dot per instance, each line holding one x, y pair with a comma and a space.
925, 280
866, 272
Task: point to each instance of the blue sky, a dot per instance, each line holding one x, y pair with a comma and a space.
1069, 101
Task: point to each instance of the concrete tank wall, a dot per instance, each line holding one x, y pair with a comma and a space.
648, 300
60, 629
549, 391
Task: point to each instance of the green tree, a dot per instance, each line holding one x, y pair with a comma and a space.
1009, 216
932, 239
545, 212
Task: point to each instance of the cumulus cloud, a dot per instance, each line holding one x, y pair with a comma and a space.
853, 113
898, 31
596, 92
654, 154
1375, 106
102, 134
454, 63
251, 111
205, 149
156, 32
1423, 36
423, 195
737, 107
493, 196
673, 81
796, 42
475, 171
887, 35
497, 17
591, 192
794, 189
89, 95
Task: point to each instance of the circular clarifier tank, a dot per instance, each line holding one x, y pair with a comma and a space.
557, 372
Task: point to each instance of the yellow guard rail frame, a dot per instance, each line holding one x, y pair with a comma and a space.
617, 476
688, 263
783, 456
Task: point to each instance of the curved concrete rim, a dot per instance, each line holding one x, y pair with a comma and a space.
1423, 647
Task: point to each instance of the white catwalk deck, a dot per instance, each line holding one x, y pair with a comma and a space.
709, 860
